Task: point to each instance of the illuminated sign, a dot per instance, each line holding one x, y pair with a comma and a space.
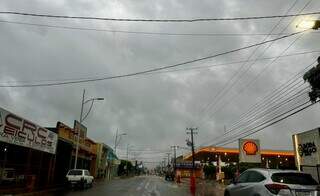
249, 151
21, 132
250, 148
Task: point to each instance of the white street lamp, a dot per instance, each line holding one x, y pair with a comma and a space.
83, 102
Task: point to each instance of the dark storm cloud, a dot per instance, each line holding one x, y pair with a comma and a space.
153, 109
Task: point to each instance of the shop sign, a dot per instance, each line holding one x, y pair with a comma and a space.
306, 146
249, 151
82, 128
307, 149
19, 131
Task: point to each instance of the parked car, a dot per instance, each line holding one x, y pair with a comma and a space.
268, 182
79, 177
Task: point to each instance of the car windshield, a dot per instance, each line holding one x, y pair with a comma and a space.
294, 178
151, 94
75, 172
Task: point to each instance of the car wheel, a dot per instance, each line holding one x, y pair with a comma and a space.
83, 184
226, 193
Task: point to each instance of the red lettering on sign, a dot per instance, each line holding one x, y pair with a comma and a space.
9, 130
31, 127
10, 117
42, 134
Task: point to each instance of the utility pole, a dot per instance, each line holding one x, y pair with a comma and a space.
115, 142
175, 156
168, 158
127, 159
82, 118
78, 135
191, 131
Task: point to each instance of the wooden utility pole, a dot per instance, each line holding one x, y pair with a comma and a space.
191, 131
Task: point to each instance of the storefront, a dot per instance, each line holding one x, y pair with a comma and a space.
28, 153
87, 153
184, 170
224, 157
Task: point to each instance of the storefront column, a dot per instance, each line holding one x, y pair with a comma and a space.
219, 163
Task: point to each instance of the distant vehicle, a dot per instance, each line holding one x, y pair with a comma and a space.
79, 177
268, 182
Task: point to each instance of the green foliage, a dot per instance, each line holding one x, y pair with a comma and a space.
122, 167
209, 171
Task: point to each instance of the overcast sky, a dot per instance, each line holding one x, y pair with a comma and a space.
154, 110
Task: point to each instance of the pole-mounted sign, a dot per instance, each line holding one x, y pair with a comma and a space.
249, 151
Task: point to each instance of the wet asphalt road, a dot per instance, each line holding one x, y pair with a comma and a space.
135, 186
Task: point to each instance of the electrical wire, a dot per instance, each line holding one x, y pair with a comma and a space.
155, 20
137, 32
190, 68
274, 95
150, 70
217, 108
237, 134
285, 117
271, 110
239, 73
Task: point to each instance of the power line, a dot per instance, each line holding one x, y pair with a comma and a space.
272, 109
254, 79
151, 70
238, 75
266, 121
136, 32
155, 20
194, 67
274, 93
263, 114
273, 96
269, 64
287, 116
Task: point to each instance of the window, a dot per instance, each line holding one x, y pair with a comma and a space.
243, 177
294, 178
75, 172
86, 172
255, 177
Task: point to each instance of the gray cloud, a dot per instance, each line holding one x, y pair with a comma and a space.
153, 109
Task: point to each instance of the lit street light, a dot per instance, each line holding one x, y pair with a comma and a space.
83, 102
309, 24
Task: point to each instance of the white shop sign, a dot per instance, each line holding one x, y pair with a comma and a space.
19, 131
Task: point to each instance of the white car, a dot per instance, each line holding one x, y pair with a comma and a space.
269, 182
79, 177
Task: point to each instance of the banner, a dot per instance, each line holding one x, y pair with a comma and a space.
249, 151
18, 131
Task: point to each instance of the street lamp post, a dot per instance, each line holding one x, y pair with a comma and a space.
83, 102
116, 141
